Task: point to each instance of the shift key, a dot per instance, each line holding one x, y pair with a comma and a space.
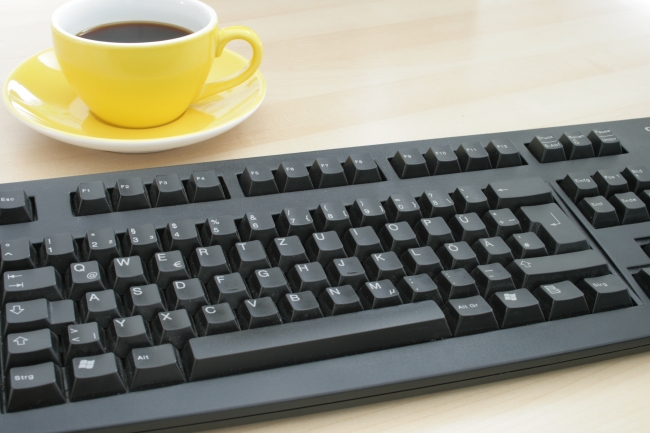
32, 284
553, 227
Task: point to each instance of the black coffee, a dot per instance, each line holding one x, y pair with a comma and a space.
134, 32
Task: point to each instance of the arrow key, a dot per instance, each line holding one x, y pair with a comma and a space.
87, 339
27, 348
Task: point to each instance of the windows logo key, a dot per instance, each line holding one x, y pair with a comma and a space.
86, 364
507, 296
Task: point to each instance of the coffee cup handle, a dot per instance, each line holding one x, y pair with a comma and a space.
224, 36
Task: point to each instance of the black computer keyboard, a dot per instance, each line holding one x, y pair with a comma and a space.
225, 292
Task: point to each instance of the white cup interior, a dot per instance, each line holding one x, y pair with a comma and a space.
77, 16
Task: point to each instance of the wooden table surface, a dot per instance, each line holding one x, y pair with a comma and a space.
347, 73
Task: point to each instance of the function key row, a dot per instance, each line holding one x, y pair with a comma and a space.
439, 160
93, 198
609, 197
326, 172
575, 145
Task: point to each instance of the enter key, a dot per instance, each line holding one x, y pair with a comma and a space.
553, 227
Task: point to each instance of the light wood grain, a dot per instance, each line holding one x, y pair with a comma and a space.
346, 73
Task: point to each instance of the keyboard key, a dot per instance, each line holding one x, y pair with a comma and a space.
442, 160
32, 284
257, 313
91, 199
637, 177
398, 237
216, 319
246, 257
141, 241
361, 242
327, 172
59, 251
181, 236
491, 279
605, 293
228, 288
292, 176
15, 207
167, 267
433, 232
605, 143
516, 308
87, 339
473, 157
470, 199
492, 250
417, 288
167, 190
345, 334
204, 186
37, 314
127, 334
28, 348
468, 228
174, 327
295, 307
384, 266
347, 272
95, 377
145, 301
268, 283
296, 221
561, 300
332, 216
629, 208
457, 255
421, 260
258, 226
576, 145
339, 300
578, 186
456, 283
368, 212
361, 168
35, 386
101, 307
220, 231
610, 182
101, 246
130, 194
287, 252
599, 212
127, 272
502, 223
554, 228
379, 294
207, 262
17, 254
468, 316
503, 153
409, 164
186, 294
82, 278
152, 367
531, 273
403, 207
324, 247
547, 149
308, 276
526, 245
257, 180
434, 203
517, 193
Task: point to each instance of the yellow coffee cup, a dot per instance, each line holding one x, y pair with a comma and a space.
142, 85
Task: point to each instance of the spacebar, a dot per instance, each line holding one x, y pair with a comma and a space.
313, 340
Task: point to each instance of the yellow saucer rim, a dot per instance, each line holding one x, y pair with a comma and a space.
157, 144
